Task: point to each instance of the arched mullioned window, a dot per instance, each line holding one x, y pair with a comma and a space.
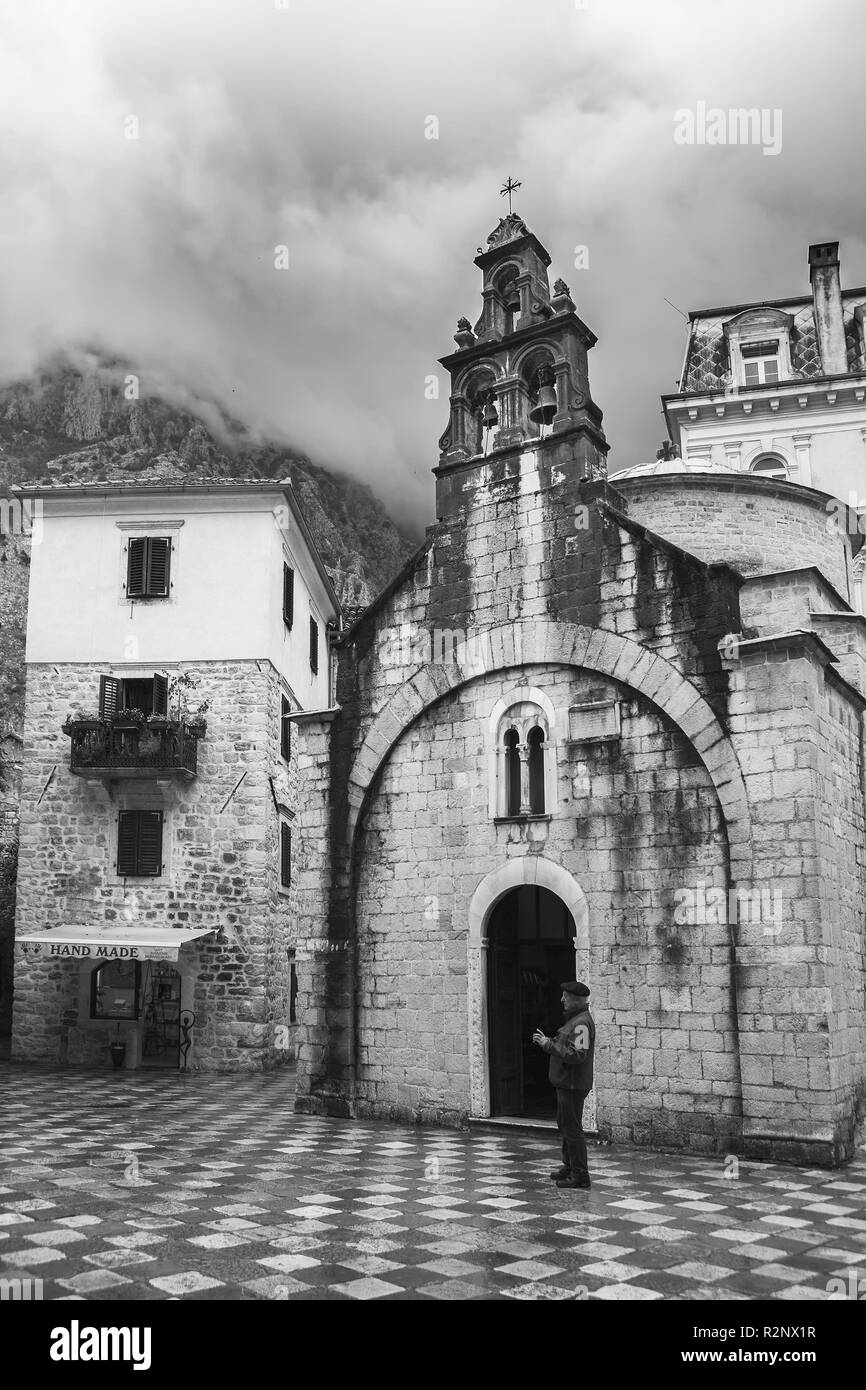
511, 745
535, 758
523, 767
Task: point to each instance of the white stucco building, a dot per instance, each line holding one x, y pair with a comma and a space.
778, 387
174, 633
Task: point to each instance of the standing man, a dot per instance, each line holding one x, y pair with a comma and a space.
571, 1054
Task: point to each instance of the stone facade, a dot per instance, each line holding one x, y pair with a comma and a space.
710, 848
755, 524
221, 866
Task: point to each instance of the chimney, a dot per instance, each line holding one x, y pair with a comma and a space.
827, 306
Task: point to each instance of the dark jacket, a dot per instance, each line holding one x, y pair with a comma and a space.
571, 1051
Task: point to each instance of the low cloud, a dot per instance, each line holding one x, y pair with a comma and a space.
260, 126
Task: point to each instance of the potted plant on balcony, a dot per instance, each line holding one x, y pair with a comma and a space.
129, 719
76, 721
180, 690
117, 1048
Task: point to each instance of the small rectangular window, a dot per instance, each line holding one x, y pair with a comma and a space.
114, 990
285, 729
285, 855
288, 595
139, 844
148, 567
759, 371
314, 646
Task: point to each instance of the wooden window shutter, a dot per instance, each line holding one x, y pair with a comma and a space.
150, 843
314, 646
136, 571
285, 855
158, 566
139, 844
285, 729
109, 697
127, 843
288, 595
148, 571
160, 696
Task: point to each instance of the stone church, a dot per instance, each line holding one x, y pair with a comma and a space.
610, 728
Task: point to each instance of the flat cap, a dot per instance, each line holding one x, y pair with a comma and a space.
575, 987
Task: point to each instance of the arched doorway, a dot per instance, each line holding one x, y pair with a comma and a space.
531, 939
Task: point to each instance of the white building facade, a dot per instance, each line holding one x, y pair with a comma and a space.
174, 635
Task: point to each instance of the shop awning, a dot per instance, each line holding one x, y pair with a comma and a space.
111, 943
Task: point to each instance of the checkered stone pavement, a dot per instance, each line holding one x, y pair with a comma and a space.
144, 1186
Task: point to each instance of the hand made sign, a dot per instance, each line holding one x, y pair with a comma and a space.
104, 951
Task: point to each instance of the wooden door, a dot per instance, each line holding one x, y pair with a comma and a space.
505, 1042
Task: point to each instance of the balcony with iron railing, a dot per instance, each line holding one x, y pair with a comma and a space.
103, 748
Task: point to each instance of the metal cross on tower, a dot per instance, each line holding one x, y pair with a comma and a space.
508, 188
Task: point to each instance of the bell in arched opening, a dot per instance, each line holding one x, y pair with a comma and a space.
489, 414
544, 408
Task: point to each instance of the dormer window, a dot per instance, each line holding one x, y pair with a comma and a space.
759, 346
760, 363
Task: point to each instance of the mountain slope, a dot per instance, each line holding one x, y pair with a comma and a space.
74, 423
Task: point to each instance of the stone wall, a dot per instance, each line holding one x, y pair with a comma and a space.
637, 820
540, 577
14, 580
535, 546
787, 600
220, 868
795, 726
755, 525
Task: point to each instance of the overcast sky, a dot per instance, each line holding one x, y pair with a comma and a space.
304, 126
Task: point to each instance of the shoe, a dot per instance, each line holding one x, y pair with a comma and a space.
560, 1173
575, 1180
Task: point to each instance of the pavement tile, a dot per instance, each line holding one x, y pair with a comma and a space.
240, 1198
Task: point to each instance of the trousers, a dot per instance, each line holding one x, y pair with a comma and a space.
569, 1118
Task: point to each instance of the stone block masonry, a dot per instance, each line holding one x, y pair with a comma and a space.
717, 1032
220, 869
639, 809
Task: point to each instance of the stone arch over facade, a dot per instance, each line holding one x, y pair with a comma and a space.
537, 870
533, 642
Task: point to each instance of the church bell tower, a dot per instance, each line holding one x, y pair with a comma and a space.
519, 378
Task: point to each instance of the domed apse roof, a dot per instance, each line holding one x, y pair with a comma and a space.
671, 465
